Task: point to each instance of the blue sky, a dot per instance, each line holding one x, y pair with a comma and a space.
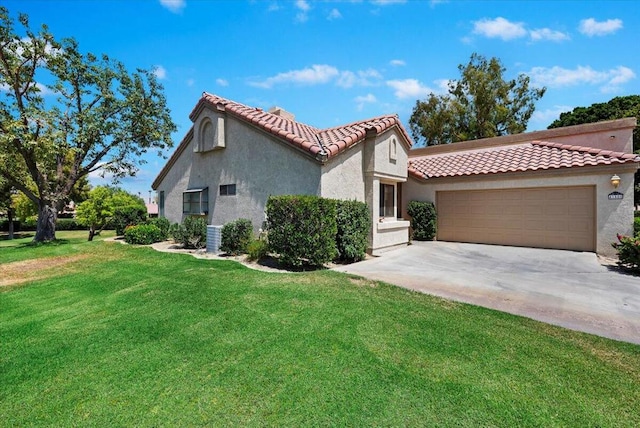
334, 62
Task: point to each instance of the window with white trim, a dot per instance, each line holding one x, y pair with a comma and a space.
195, 201
387, 200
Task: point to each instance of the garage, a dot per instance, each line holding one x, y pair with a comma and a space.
543, 217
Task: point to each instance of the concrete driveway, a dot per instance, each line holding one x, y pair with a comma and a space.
565, 288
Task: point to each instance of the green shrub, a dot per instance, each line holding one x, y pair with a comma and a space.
636, 214
143, 234
69, 224
4, 225
423, 220
353, 223
257, 249
236, 236
128, 216
628, 252
302, 229
29, 223
636, 226
192, 233
163, 224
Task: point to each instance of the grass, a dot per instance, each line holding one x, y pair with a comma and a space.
129, 336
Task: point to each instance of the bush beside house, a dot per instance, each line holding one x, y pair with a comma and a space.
302, 229
236, 236
423, 220
315, 230
192, 233
352, 221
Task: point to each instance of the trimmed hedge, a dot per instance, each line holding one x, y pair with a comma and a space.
423, 220
301, 229
236, 236
128, 216
143, 234
31, 224
163, 224
353, 224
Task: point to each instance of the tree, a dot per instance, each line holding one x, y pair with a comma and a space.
616, 108
97, 210
479, 105
109, 205
96, 116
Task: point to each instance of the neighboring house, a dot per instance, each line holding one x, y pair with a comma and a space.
567, 188
234, 157
549, 189
152, 210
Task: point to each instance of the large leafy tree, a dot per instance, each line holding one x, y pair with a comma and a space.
65, 114
480, 104
616, 108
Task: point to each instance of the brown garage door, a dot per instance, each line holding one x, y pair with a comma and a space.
550, 217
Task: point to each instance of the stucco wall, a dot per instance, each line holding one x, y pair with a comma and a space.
256, 163
613, 216
342, 176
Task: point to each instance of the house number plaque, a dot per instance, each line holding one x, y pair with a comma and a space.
616, 195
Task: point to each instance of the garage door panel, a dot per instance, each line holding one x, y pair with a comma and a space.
543, 217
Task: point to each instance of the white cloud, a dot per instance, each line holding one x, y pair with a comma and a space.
364, 99
409, 88
303, 6
548, 34
160, 72
397, 63
322, 74
334, 14
545, 117
367, 77
44, 91
610, 80
499, 28
387, 2
591, 27
174, 6
316, 74
191, 82
273, 7
222, 82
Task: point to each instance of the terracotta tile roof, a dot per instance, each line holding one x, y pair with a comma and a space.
532, 156
322, 143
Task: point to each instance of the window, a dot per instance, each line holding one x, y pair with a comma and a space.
195, 201
227, 189
387, 200
161, 204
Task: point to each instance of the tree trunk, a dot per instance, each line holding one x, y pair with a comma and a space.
10, 218
92, 232
46, 229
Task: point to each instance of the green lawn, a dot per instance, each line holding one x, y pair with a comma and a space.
124, 336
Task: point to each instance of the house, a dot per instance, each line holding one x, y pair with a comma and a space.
234, 157
566, 188
569, 188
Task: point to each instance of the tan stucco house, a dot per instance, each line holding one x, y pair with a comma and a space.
549, 189
234, 157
